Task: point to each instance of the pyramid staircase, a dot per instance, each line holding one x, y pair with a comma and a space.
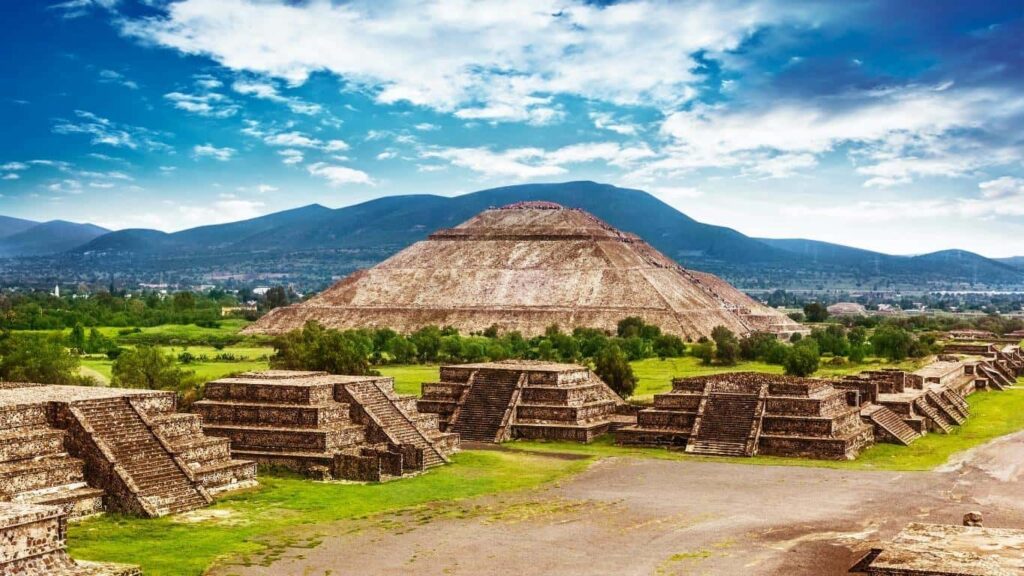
727, 423
381, 407
934, 415
486, 409
996, 379
949, 411
957, 402
889, 421
158, 481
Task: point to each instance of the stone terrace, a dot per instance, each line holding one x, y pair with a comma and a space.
86, 449
498, 401
322, 425
32, 543
746, 413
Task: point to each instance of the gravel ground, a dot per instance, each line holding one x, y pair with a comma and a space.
644, 517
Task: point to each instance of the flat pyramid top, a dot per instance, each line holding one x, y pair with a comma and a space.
533, 220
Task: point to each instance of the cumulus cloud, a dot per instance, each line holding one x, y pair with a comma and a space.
1002, 188
489, 60
608, 121
291, 156
338, 175
209, 104
208, 150
10, 176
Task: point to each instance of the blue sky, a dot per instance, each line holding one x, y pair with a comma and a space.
895, 126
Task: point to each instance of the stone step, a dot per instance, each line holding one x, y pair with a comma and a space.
893, 424
40, 473
30, 442
937, 418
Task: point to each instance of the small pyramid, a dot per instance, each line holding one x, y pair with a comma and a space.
524, 267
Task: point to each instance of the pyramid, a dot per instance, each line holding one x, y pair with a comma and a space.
525, 267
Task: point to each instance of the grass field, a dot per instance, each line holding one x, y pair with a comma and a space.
269, 517
248, 358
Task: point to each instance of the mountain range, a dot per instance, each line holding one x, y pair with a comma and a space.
313, 244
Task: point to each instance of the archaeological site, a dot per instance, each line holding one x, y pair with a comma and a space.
325, 426
499, 401
525, 267
89, 449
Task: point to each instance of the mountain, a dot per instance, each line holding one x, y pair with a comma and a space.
49, 238
1015, 261
10, 226
401, 220
313, 245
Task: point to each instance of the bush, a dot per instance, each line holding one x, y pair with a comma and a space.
328, 350
38, 358
147, 367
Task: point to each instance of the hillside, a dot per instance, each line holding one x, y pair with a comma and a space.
314, 245
10, 226
49, 238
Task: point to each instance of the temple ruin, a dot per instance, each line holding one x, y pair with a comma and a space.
33, 543
90, 449
498, 401
748, 413
525, 267
326, 426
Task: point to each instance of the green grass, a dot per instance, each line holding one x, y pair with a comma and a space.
993, 414
249, 358
409, 377
261, 520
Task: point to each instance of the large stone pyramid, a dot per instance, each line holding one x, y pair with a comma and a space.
524, 267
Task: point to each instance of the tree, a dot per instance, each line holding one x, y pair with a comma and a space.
757, 345
184, 301
612, 366
316, 348
892, 342
803, 359
148, 367
276, 297
76, 340
669, 346
815, 312
38, 358
727, 347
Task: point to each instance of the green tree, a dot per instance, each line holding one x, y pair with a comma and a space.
76, 340
148, 367
727, 347
276, 297
803, 359
815, 312
612, 366
38, 358
184, 301
317, 348
705, 351
892, 342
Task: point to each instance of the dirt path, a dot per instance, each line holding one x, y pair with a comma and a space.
644, 517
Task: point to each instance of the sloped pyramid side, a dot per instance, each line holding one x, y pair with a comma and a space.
524, 269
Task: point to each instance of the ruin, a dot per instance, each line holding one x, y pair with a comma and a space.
325, 426
33, 543
947, 550
498, 401
748, 413
90, 449
525, 267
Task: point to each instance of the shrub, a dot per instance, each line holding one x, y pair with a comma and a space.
612, 366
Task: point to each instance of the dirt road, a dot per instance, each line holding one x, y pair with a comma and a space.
644, 517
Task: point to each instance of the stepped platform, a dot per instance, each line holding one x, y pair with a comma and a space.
322, 425
89, 449
32, 543
747, 413
499, 401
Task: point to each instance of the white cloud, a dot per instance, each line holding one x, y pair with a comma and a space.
426, 127
71, 9
11, 166
387, 155
1002, 188
338, 175
336, 146
207, 82
114, 77
109, 133
528, 163
266, 90
210, 151
10, 176
210, 104
607, 121
67, 186
292, 139
292, 156
266, 188
490, 60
